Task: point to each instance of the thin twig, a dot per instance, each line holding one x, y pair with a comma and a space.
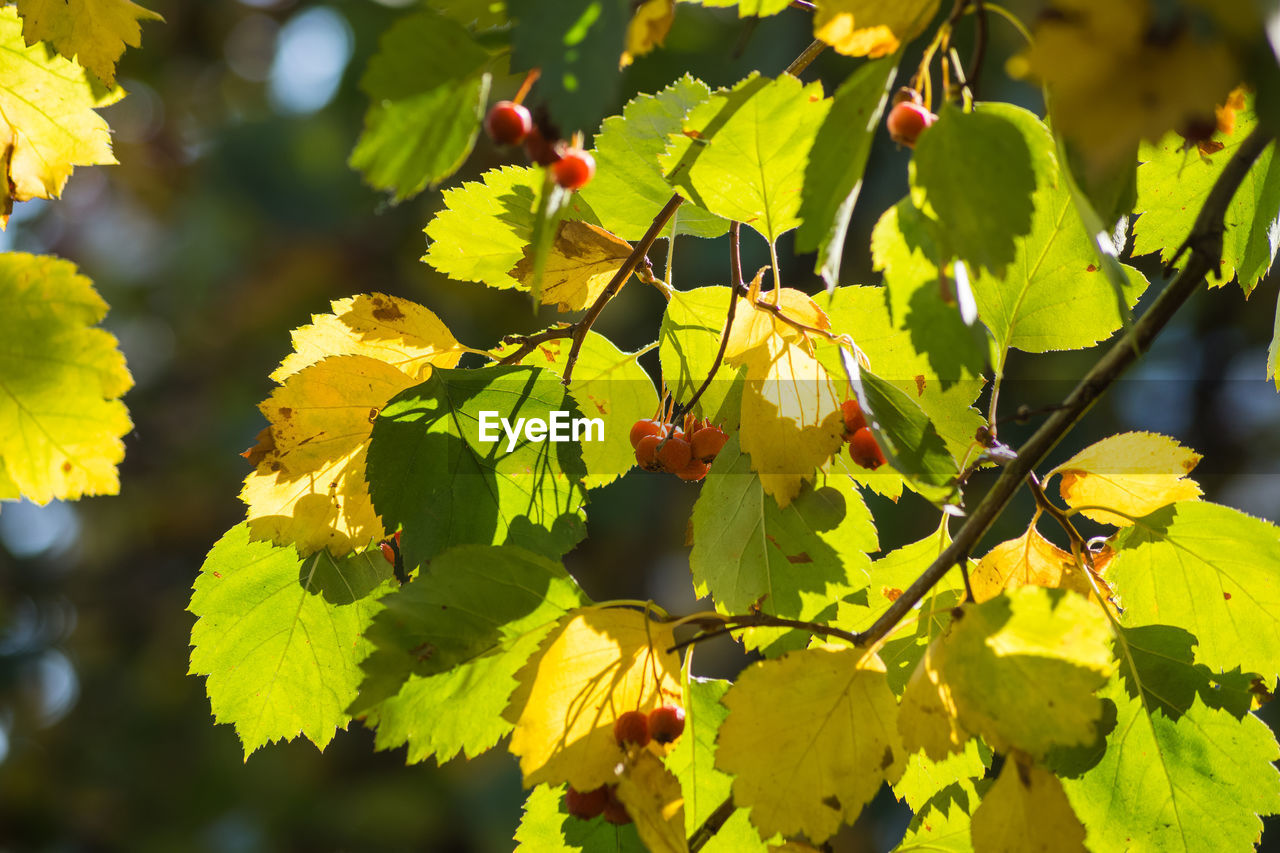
1205, 245
803, 4
528, 343
711, 825
979, 47
776, 311
809, 54
735, 273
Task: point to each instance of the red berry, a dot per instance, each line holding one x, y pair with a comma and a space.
614, 811
541, 150
508, 123
574, 169
387, 553
907, 121
631, 727
694, 471
585, 805
647, 453
864, 450
707, 443
642, 428
666, 723
853, 418
675, 454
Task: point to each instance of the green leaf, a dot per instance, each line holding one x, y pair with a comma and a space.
746, 8
924, 779
61, 377
449, 644
748, 159
553, 204
833, 176
577, 50
689, 340
975, 173
546, 827
1173, 184
941, 825
799, 560
280, 637
427, 87
475, 14
1273, 351
1212, 570
482, 232
1185, 767
430, 472
628, 189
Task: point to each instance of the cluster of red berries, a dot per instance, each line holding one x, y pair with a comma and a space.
909, 117
662, 725
509, 123
862, 444
686, 451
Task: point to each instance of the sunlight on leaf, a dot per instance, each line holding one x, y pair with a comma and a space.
1026, 802
871, 27
92, 32
1134, 472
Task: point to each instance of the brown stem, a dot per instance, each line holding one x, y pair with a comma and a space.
735, 273
528, 343
724, 624
1205, 245
711, 825
802, 61
776, 311
803, 4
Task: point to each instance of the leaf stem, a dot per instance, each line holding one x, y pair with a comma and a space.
806, 57
528, 343
1205, 246
711, 825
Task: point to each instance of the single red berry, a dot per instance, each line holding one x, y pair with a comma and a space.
574, 169
508, 123
647, 453
864, 450
541, 150
853, 417
646, 427
666, 723
388, 553
707, 443
907, 121
614, 811
694, 471
585, 805
631, 727
674, 454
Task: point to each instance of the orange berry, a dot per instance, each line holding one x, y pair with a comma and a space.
674, 454
585, 804
708, 442
666, 723
574, 169
631, 727
647, 453
694, 471
644, 427
508, 123
864, 449
907, 121
853, 417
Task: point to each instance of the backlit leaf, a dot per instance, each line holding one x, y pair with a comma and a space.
92, 32
547, 827
579, 264
871, 27
942, 824
1026, 810
654, 801
1134, 472
746, 8
1029, 560
689, 340
924, 778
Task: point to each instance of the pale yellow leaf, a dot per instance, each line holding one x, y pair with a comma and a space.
1031, 560
928, 719
92, 32
870, 28
594, 666
653, 799
1134, 472
810, 737
754, 326
393, 330
1026, 811
648, 28
581, 262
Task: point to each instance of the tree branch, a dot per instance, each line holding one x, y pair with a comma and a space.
528, 343
711, 825
735, 273
1205, 246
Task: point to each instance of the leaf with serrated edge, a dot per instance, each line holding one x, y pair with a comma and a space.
830, 721
279, 636
1030, 560
688, 343
941, 825
1026, 810
580, 262
924, 777
653, 799
871, 27
547, 827
1134, 472
92, 32
594, 666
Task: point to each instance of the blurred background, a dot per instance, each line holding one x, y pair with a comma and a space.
233, 217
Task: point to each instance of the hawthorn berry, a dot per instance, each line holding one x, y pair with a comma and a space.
388, 553
645, 427
574, 169
647, 453
907, 121
666, 723
508, 123
707, 442
864, 449
631, 727
674, 454
694, 471
585, 804
614, 811
853, 417
541, 150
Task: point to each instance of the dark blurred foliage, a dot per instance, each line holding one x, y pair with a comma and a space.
231, 218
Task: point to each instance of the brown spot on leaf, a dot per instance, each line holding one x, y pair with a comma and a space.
1226, 596
832, 802
66, 467
218, 575
891, 592
692, 134
423, 652
548, 353
1091, 268
802, 557
387, 311
886, 761
1024, 774
602, 406
373, 414
286, 412
920, 383
266, 445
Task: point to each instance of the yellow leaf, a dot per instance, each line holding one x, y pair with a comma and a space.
753, 326
1134, 472
928, 719
810, 737
870, 27
594, 666
47, 122
1026, 811
648, 28
309, 486
93, 32
791, 420
653, 799
1031, 560
582, 260
392, 330
61, 378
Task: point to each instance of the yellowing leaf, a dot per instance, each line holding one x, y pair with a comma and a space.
1026, 811
870, 27
1030, 560
388, 328
47, 122
61, 378
309, 486
653, 799
582, 260
928, 719
1134, 472
810, 737
752, 326
649, 27
92, 32
593, 667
